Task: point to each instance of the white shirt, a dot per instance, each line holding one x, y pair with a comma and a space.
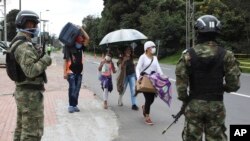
144, 61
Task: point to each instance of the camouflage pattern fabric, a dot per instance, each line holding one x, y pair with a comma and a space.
203, 116
27, 56
29, 101
30, 117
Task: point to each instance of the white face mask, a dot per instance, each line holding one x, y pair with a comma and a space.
107, 58
153, 50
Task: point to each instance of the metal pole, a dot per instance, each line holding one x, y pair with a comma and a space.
193, 21
187, 24
41, 25
5, 23
20, 5
158, 47
40, 39
190, 33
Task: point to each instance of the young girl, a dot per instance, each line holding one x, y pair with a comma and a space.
106, 67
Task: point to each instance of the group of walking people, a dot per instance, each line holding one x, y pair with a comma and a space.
129, 73
203, 73
200, 75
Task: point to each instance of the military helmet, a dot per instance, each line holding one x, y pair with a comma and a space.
24, 16
208, 23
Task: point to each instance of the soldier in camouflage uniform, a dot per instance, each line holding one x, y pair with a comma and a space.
29, 93
202, 70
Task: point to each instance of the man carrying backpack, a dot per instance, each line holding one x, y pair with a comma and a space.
28, 72
73, 66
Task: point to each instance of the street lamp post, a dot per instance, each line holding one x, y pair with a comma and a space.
158, 47
20, 5
5, 23
41, 25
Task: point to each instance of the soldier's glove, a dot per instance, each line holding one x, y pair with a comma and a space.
46, 60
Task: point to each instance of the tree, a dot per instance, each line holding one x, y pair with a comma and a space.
164, 20
92, 28
234, 22
11, 27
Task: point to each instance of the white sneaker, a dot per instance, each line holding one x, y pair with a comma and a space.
120, 100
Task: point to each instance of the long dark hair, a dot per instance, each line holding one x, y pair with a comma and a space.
131, 50
123, 53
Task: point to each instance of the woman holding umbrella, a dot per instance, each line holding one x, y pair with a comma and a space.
126, 76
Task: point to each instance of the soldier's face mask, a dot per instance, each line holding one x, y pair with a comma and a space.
34, 32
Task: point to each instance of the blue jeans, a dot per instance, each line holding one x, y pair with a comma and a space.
75, 81
131, 79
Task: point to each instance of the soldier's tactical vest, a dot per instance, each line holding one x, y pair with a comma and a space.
206, 76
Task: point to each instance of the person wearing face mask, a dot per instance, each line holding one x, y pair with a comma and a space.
149, 63
73, 67
127, 76
106, 68
31, 65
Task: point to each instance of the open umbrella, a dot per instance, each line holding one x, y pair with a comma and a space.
122, 35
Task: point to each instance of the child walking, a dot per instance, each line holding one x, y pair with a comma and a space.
106, 68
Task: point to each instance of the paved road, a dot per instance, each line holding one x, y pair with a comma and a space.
132, 127
131, 123
93, 123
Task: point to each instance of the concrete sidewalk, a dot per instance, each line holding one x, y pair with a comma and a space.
92, 123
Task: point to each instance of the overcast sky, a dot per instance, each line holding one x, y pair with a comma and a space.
60, 11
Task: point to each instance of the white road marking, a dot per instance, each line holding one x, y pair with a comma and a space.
171, 79
165, 68
233, 93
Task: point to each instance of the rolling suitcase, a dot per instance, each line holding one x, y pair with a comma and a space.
69, 33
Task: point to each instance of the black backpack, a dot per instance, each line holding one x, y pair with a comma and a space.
13, 69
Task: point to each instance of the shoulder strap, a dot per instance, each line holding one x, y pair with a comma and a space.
193, 54
22, 40
15, 47
148, 65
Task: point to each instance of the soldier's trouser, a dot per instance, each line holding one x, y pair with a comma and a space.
30, 116
205, 117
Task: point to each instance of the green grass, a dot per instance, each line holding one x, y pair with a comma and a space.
245, 70
245, 63
172, 60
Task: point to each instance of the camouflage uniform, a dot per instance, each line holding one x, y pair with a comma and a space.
29, 93
201, 115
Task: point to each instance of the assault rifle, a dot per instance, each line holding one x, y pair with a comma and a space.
177, 116
45, 39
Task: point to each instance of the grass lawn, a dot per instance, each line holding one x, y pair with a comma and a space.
245, 64
172, 60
